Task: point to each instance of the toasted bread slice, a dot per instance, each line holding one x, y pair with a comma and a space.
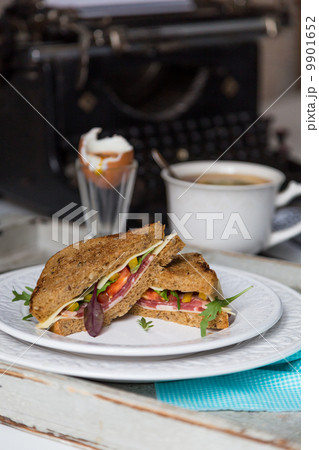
188, 272
183, 318
72, 270
69, 326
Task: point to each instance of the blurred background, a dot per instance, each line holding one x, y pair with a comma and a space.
187, 77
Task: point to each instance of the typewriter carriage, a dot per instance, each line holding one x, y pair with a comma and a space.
186, 84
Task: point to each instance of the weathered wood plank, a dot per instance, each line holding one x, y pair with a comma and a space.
92, 415
285, 423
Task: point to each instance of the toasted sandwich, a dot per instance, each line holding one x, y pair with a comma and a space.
181, 292
86, 286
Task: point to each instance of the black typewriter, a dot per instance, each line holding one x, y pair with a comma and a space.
184, 82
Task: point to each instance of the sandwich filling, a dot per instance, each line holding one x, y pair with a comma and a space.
112, 288
112, 292
166, 300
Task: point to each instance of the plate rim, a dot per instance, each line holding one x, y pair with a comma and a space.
179, 349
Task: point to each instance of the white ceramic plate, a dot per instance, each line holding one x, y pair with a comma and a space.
256, 311
280, 341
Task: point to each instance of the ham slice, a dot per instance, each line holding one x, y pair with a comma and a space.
69, 314
120, 294
128, 285
196, 305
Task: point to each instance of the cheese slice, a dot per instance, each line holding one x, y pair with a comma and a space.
55, 316
160, 247
219, 291
107, 277
157, 248
228, 311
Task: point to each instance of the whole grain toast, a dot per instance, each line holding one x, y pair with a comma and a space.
75, 268
188, 272
183, 318
69, 326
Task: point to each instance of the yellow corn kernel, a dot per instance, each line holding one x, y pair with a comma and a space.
114, 277
88, 297
74, 306
202, 295
187, 297
133, 263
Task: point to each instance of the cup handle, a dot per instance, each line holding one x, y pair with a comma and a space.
293, 190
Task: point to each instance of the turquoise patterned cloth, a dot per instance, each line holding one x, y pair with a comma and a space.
270, 388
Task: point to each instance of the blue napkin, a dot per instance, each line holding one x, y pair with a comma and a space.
275, 387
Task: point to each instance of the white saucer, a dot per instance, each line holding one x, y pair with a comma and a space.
282, 340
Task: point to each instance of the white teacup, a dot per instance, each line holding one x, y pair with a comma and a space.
232, 218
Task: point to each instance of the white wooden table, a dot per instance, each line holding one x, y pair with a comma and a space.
89, 414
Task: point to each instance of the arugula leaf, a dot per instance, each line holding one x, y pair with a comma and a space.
226, 301
215, 307
144, 324
163, 294
177, 298
25, 296
210, 313
102, 289
140, 260
27, 317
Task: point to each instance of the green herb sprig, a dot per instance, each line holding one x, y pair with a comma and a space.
28, 317
177, 298
163, 294
144, 324
215, 307
25, 296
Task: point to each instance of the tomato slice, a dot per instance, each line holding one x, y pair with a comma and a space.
119, 283
103, 298
172, 298
150, 294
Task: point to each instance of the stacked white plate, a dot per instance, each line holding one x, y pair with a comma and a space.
265, 329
